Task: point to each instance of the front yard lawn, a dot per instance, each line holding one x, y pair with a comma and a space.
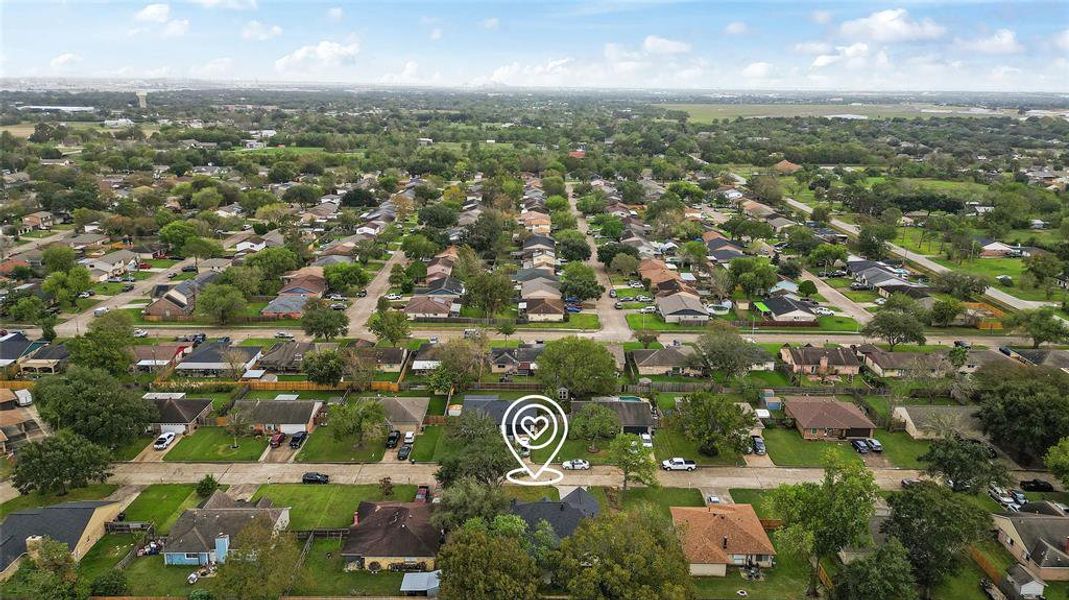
130, 450
322, 447
426, 446
755, 498
327, 506
662, 497
669, 443
162, 504
212, 444
901, 449
33, 500
787, 449
325, 575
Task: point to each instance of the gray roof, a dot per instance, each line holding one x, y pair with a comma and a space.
526, 353
405, 411
215, 352
197, 528
632, 414
62, 522
286, 303
562, 515
421, 582
663, 357
285, 354
277, 412
1046, 357
393, 529
182, 410
1044, 536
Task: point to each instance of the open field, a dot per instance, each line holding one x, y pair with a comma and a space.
705, 113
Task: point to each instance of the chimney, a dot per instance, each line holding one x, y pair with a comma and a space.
356, 518
33, 546
562, 507
724, 543
824, 361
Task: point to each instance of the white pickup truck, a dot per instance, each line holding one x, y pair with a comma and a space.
678, 464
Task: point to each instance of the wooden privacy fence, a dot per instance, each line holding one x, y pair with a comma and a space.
13, 384
985, 564
297, 386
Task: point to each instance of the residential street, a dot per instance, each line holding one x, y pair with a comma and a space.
362, 308
847, 306
613, 322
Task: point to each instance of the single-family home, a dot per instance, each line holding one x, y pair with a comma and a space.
41, 219
387, 360
899, 364
285, 357
178, 415
18, 425
521, 360
1037, 537
286, 306
217, 358
539, 288
426, 307
811, 360
541, 310
563, 515
405, 414
78, 525
426, 358
784, 310
151, 357
87, 240
206, 535
116, 263
180, 301
825, 418
535, 222
673, 360
49, 360
682, 308
15, 348
421, 583
717, 536
442, 287
993, 248
251, 244
635, 416
287, 416
927, 422
538, 243
392, 536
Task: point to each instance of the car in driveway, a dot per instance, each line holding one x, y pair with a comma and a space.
648, 309
140, 333
642, 299
910, 482
678, 464
393, 296
339, 306
823, 311
758, 445
410, 437
612, 293
1036, 485
618, 305
874, 445
711, 499
283, 335
277, 439
163, 441
573, 309
577, 464
647, 440
404, 452
314, 477
297, 440
860, 446
393, 438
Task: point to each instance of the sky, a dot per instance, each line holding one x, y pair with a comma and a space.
1013, 45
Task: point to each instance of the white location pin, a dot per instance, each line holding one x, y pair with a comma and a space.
534, 422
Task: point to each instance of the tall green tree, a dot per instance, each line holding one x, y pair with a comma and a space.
345, 277
595, 422
361, 420
107, 344
273, 262
1057, 460
221, 303
58, 463
325, 368
94, 404
582, 366
895, 327
716, 423
635, 462
488, 292
57, 258
321, 321
482, 565
468, 498
1042, 325
201, 248
65, 286
390, 326
579, 280
262, 564
883, 575
965, 463
725, 351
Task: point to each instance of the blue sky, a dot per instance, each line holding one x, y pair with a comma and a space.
905, 45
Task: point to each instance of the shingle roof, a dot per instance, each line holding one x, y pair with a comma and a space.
811, 355
663, 357
62, 522
712, 534
826, 412
196, 529
1044, 536
632, 414
401, 412
393, 529
277, 412
182, 410
562, 515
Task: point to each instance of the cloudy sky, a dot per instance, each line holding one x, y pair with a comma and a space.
1013, 45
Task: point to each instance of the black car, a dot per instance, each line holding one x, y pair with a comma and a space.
1036, 485
361, 294
313, 477
393, 438
758, 444
860, 446
189, 269
404, 452
298, 439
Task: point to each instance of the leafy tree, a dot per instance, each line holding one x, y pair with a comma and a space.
58, 257
110, 583
646, 337
945, 311
221, 303
237, 425
895, 327
201, 248
65, 286
572, 245
1026, 410
303, 194
767, 189
358, 197
343, 277
755, 276
595, 422
321, 321
482, 565
634, 461
819, 519
480, 451
936, 526
506, 328
106, 344
1057, 460
1042, 325
273, 262
93, 404
807, 288
826, 255
360, 369
959, 285
390, 325
488, 292
175, 234
325, 368
460, 365
883, 575
624, 264
207, 199
418, 247
965, 463
32, 309
607, 252
725, 351
582, 366
1044, 269
716, 423
438, 216
579, 280
207, 486
469, 498
250, 280
58, 463
262, 564
631, 555
362, 419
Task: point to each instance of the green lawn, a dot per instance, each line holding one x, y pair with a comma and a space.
572, 449
102, 557
212, 444
129, 450
752, 497
838, 324
787, 449
325, 575
901, 449
108, 289
91, 492
148, 576
322, 447
669, 443
963, 585
787, 580
161, 263
331, 505
662, 497
426, 445
531, 493
162, 504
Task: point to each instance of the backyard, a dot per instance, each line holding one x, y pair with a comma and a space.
325, 575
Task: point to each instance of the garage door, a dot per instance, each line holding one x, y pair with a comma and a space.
176, 429
292, 429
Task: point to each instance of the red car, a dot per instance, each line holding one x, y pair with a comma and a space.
144, 265
277, 439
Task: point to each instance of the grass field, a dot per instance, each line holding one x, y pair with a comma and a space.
785, 581
322, 447
427, 443
706, 113
102, 557
212, 444
325, 575
328, 505
901, 449
162, 504
662, 497
755, 498
90, 492
787, 449
669, 443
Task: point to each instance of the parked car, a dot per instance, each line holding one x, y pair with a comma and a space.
643, 299
163, 441
618, 305
313, 477
410, 437
101, 311
860, 446
1018, 497
571, 299
577, 464
144, 265
637, 285
1036, 485
127, 287
612, 293
648, 309
361, 294
758, 443
297, 440
84, 294
910, 482
573, 309
335, 296
679, 464
189, 269
283, 335
647, 440
393, 296
823, 311
962, 344
880, 301
338, 306
404, 452
277, 439
713, 500
874, 445
393, 438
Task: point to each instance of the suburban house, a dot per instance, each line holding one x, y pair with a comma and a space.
562, 515
253, 243
426, 358
405, 414
41, 219
992, 248
178, 415
79, 525
180, 300
717, 536
308, 281
15, 348
540, 288
116, 263
898, 364
820, 361
286, 306
17, 424
673, 360
538, 243
782, 309
426, 307
1055, 358
635, 416
205, 535
87, 240
48, 360
683, 308
521, 360
542, 309
1038, 537
927, 422
216, 358
387, 360
825, 418
1020, 584
157, 356
287, 416
287, 356
442, 287
385, 534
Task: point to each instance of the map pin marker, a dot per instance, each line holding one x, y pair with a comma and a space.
535, 422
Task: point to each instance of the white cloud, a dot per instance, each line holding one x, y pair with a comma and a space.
64, 60
212, 69
893, 25
318, 57
255, 30
335, 14
490, 23
154, 13
175, 28
436, 33
736, 28
230, 4
1003, 41
854, 56
757, 70
659, 45
1062, 40
158, 72
820, 16
410, 75
812, 48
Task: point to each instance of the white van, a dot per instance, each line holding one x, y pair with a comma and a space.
100, 311
23, 397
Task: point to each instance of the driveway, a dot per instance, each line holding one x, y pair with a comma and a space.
360, 310
282, 454
613, 322
845, 305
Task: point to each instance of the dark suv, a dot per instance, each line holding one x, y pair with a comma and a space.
393, 438
313, 477
298, 439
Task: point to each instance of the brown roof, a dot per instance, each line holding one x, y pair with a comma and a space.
393, 529
712, 534
811, 355
545, 306
427, 305
156, 352
826, 412
786, 166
